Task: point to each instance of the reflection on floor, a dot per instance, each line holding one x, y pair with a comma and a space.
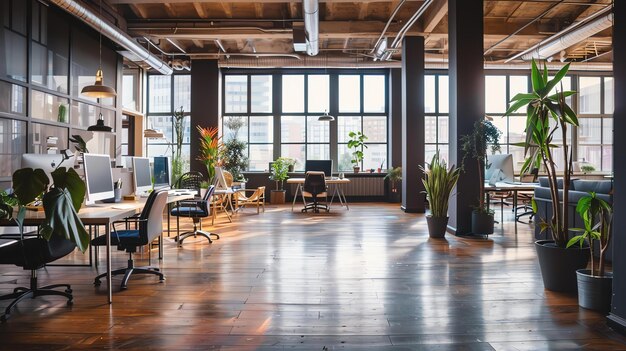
364, 279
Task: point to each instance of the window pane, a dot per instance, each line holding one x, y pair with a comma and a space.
319, 93
49, 107
518, 156
429, 94
374, 93
517, 128
429, 152
293, 93
430, 129
316, 131
501, 123
164, 124
344, 156
292, 129
50, 58
518, 85
235, 94
375, 156
182, 92
591, 154
85, 115
48, 139
607, 158
607, 130
345, 125
235, 127
160, 93
609, 95
260, 157
444, 97
13, 134
261, 93
130, 85
261, 129
12, 98
295, 151
349, 93
14, 61
589, 131
318, 152
443, 129
589, 95
157, 150
495, 94
564, 85
375, 129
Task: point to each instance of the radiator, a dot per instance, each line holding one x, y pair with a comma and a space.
360, 186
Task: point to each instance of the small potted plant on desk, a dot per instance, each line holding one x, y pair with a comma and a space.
474, 145
395, 177
595, 286
357, 143
279, 173
438, 182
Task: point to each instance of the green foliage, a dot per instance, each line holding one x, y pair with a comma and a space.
597, 217
542, 107
179, 129
587, 168
439, 182
61, 202
394, 175
357, 142
279, 172
79, 143
62, 113
234, 159
204, 184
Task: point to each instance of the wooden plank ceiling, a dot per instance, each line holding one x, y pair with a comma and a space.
350, 29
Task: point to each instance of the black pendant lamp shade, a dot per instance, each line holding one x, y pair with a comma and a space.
100, 127
326, 117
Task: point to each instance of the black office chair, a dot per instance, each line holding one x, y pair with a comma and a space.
196, 210
527, 197
32, 253
191, 181
150, 226
315, 187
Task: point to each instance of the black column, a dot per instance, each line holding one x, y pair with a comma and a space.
467, 101
205, 103
412, 123
395, 117
617, 318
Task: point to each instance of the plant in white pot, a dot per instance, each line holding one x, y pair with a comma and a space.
439, 180
594, 285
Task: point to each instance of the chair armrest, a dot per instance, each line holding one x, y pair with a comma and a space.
128, 220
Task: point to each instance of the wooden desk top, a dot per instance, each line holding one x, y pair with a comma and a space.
328, 181
501, 186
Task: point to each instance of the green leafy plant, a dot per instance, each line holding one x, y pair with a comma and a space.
395, 176
179, 128
61, 202
79, 143
290, 162
235, 161
279, 172
357, 143
597, 217
542, 107
62, 113
439, 180
485, 135
588, 168
204, 184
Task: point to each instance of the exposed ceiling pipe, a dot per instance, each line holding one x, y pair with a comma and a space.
311, 11
578, 31
382, 38
113, 33
398, 39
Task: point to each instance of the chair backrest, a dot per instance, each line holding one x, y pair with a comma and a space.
315, 182
204, 203
152, 213
229, 178
190, 180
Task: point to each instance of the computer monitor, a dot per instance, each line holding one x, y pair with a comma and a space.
47, 162
142, 175
499, 168
99, 177
325, 166
161, 172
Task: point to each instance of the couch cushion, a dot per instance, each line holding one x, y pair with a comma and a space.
596, 186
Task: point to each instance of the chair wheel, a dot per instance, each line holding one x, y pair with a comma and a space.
4, 318
70, 302
161, 280
97, 283
68, 291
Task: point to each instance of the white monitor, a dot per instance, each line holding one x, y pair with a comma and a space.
220, 180
99, 177
142, 175
161, 172
47, 162
499, 168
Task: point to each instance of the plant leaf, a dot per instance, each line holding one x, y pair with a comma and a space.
70, 180
62, 218
28, 184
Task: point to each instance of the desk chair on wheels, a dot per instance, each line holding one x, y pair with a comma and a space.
195, 210
150, 223
315, 187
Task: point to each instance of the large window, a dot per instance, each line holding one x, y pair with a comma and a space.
595, 131
167, 94
436, 106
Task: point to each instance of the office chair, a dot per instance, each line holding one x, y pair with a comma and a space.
527, 197
32, 253
191, 181
150, 223
315, 187
196, 210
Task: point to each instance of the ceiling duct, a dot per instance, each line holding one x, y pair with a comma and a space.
116, 35
299, 38
311, 11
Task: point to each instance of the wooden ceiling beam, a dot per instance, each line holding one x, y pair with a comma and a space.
228, 9
200, 10
363, 11
138, 11
258, 9
119, 2
198, 43
435, 13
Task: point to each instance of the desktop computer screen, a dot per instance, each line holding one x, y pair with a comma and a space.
161, 172
142, 175
98, 177
499, 167
325, 166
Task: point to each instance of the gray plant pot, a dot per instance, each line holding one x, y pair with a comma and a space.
482, 223
558, 265
437, 226
594, 293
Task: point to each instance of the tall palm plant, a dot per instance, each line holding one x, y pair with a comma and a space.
210, 149
543, 106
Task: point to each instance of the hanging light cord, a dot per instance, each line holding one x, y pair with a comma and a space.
100, 38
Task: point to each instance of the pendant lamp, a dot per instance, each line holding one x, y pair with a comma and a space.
326, 117
100, 126
98, 89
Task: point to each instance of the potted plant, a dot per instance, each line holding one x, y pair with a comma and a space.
474, 146
210, 150
290, 162
357, 143
558, 263
395, 177
279, 174
179, 129
235, 161
439, 180
587, 169
595, 286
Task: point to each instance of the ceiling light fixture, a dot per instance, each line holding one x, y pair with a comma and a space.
98, 89
326, 117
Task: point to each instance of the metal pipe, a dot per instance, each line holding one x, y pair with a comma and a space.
382, 34
311, 10
113, 33
400, 36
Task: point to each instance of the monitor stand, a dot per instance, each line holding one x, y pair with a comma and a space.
144, 194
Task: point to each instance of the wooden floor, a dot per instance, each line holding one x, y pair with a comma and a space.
364, 279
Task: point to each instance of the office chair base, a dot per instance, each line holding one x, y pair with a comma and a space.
195, 234
128, 271
22, 293
315, 208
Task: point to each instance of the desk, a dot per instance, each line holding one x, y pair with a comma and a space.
512, 187
337, 190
